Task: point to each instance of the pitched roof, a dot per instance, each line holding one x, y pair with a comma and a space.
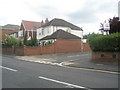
61, 22
60, 34
31, 25
10, 27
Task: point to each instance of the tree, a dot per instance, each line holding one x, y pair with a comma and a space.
25, 39
114, 25
86, 36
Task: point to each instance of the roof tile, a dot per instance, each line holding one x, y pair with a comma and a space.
63, 35
61, 22
31, 25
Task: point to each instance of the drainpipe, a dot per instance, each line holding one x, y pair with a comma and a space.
82, 43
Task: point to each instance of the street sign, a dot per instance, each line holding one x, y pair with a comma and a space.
106, 26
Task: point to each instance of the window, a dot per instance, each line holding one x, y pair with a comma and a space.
68, 30
42, 31
48, 31
39, 33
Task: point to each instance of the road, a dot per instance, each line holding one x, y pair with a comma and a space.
22, 74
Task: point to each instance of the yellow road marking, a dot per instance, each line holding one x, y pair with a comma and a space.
97, 70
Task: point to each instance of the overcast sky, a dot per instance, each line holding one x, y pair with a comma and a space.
87, 14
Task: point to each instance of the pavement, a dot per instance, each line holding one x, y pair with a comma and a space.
75, 60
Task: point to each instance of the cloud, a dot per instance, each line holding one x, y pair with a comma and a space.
83, 16
45, 11
92, 10
55, 8
86, 13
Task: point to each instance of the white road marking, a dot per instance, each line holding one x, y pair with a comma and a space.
8, 68
68, 84
77, 55
73, 56
99, 64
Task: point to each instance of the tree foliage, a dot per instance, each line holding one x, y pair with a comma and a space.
86, 36
114, 25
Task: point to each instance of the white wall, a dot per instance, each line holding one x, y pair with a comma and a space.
51, 29
77, 33
47, 31
14, 35
20, 33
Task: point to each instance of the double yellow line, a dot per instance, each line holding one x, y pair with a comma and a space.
92, 69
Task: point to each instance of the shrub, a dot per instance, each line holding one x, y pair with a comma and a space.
32, 42
104, 42
10, 41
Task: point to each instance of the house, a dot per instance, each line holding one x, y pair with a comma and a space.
58, 35
61, 42
29, 27
8, 29
57, 24
14, 34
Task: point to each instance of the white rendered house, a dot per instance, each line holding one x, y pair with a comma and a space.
57, 24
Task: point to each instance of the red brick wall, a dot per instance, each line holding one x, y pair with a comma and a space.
19, 51
50, 49
32, 50
60, 46
106, 56
67, 46
86, 47
8, 50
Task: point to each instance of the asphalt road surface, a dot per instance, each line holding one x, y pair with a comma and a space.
22, 74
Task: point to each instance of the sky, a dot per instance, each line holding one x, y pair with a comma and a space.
87, 14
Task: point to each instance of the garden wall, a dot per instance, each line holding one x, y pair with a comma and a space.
60, 46
106, 56
86, 47
8, 50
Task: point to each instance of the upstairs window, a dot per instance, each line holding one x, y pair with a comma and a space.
39, 33
42, 31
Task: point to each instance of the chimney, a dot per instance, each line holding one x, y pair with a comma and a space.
42, 23
46, 21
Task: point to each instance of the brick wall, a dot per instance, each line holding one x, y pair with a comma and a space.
86, 47
50, 49
8, 50
32, 50
106, 56
66, 46
60, 46
19, 51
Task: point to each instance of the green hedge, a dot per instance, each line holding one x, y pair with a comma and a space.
104, 42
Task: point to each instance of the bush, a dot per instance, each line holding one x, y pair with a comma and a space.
104, 42
32, 42
10, 41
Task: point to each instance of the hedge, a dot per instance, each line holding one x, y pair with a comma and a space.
104, 42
